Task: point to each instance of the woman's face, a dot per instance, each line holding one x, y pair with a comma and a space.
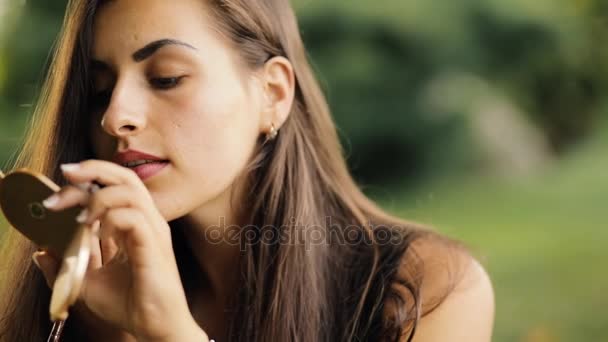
185, 99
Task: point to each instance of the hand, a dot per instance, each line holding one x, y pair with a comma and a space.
95, 328
133, 281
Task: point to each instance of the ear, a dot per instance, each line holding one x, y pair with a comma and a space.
278, 82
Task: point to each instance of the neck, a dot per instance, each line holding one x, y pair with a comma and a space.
216, 256
214, 273
211, 233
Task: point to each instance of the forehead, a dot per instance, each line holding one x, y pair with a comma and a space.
126, 25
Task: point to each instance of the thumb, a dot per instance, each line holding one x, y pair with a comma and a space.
48, 265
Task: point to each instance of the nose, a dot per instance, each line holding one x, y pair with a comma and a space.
124, 115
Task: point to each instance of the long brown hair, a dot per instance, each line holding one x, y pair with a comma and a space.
350, 288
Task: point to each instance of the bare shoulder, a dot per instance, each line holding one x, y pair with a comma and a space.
457, 298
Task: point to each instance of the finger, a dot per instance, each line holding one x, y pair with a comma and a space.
111, 197
108, 244
118, 196
129, 225
107, 173
48, 265
67, 197
100, 171
95, 260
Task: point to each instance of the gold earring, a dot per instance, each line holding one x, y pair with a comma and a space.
273, 133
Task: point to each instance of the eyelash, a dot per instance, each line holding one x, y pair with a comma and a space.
101, 99
161, 82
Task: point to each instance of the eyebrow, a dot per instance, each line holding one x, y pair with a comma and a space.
152, 47
145, 52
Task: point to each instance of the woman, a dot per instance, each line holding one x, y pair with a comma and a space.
244, 223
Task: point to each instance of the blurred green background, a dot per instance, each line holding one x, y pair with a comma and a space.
487, 119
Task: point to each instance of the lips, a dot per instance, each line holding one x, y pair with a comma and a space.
148, 170
131, 155
144, 171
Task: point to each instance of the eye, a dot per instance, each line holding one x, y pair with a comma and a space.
165, 83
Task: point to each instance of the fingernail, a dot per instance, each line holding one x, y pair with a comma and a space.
51, 201
69, 167
94, 188
82, 217
84, 186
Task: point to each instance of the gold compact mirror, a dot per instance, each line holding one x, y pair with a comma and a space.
21, 194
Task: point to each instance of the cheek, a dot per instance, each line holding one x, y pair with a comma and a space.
215, 130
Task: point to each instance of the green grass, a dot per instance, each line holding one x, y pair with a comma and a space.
543, 240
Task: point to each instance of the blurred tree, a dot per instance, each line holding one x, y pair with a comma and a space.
543, 56
27, 37
27, 48
560, 95
374, 76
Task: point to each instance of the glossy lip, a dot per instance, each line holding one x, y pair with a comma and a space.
143, 171
146, 171
131, 155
